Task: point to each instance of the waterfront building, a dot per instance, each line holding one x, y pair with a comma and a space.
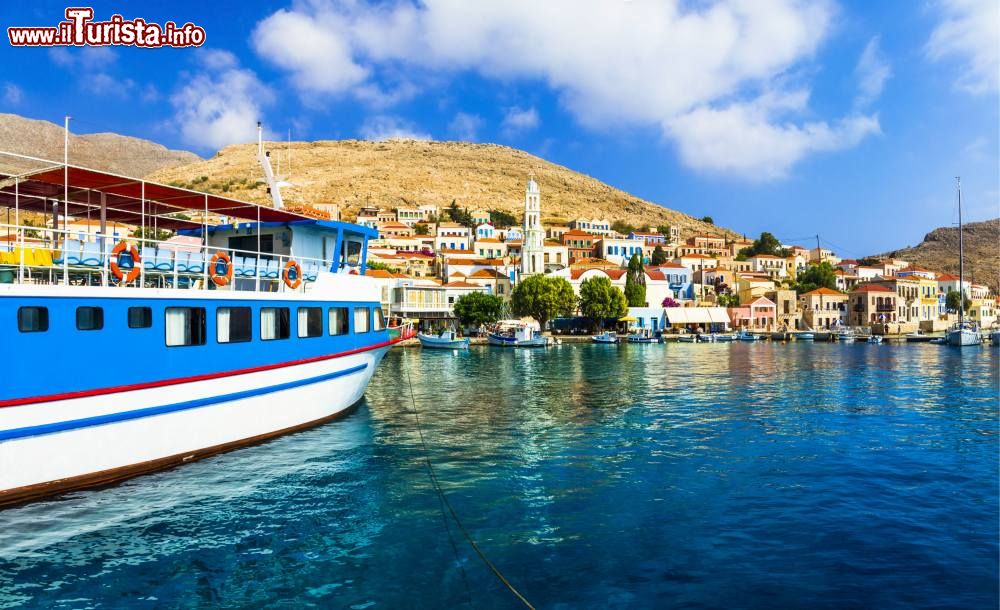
480, 217
592, 226
618, 250
485, 231
532, 248
908, 302
490, 247
871, 304
653, 318
786, 304
823, 308
556, 255
750, 286
580, 245
555, 232
394, 229
757, 315
691, 319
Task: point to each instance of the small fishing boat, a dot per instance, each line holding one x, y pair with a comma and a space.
939, 341
605, 337
687, 339
843, 335
706, 338
642, 335
446, 340
918, 337
806, 336
514, 333
725, 338
963, 333
744, 335
995, 337
874, 340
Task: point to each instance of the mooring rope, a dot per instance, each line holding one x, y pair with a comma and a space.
444, 501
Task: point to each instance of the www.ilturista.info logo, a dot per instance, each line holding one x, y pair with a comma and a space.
80, 29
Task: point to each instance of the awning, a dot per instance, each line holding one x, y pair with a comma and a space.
696, 315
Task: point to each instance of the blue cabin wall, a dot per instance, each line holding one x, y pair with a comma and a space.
64, 359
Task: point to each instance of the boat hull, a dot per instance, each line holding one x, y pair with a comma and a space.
964, 337
438, 343
501, 341
53, 447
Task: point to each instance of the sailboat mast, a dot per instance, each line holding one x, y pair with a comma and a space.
961, 256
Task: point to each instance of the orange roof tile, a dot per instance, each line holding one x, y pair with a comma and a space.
824, 291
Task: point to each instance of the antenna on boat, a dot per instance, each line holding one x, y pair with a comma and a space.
274, 183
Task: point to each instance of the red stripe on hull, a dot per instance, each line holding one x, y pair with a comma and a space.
14, 402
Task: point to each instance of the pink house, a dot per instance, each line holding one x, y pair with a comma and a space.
759, 314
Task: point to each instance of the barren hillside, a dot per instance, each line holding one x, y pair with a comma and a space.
939, 252
395, 173
104, 151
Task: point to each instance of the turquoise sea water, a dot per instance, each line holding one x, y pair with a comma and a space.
668, 476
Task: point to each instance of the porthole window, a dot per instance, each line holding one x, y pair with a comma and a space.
89, 318
33, 319
140, 317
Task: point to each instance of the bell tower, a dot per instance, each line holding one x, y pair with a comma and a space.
532, 248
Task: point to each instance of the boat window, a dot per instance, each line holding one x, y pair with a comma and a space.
185, 326
140, 317
352, 252
33, 319
310, 322
360, 319
275, 323
338, 321
89, 318
233, 325
378, 320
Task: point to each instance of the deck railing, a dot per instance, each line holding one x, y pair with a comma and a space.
42, 255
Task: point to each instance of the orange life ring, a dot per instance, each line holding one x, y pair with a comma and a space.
223, 278
125, 278
286, 274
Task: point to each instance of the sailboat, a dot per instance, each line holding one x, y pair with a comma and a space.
962, 333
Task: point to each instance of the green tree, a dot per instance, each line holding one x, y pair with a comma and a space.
951, 301
478, 308
380, 265
635, 282
728, 300
816, 276
622, 227
459, 215
663, 230
543, 297
600, 300
659, 256
708, 220
502, 219
421, 229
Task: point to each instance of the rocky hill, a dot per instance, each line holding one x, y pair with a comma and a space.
397, 173
106, 151
939, 252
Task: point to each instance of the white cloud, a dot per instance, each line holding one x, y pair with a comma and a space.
745, 140
12, 94
465, 126
384, 127
872, 72
217, 59
312, 47
641, 63
518, 120
220, 107
970, 32
89, 58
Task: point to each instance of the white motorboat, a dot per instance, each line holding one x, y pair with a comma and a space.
874, 339
446, 340
517, 334
806, 336
642, 335
605, 337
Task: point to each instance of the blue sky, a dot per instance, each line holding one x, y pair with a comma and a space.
843, 119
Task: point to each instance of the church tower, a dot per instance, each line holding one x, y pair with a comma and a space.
532, 248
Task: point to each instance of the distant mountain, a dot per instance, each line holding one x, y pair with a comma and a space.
939, 252
398, 173
104, 151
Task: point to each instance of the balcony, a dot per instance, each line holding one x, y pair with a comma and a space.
885, 307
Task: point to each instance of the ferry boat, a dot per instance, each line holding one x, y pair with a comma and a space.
132, 354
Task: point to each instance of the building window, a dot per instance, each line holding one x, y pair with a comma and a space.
275, 323
360, 319
140, 317
185, 326
33, 319
89, 318
310, 322
233, 325
378, 320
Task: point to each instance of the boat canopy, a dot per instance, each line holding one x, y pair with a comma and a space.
34, 185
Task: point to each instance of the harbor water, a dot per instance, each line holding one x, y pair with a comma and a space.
592, 476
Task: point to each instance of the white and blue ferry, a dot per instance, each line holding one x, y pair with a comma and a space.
126, 355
